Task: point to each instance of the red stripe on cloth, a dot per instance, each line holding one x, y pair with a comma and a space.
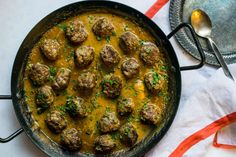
203, 134
219, 145
155, 8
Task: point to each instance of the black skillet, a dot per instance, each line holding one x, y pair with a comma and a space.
39, 138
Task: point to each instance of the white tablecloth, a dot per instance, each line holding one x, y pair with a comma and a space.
18, 17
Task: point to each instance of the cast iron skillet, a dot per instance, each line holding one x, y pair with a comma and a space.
26, 120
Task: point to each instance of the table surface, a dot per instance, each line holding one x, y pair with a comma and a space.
17, 18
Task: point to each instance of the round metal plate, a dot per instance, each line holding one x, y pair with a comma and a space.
222, 14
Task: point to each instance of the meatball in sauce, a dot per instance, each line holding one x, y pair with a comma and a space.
50, 48
70, 139
128, 42
103, 28
56, 122
84, 56
76, 32
130, 67
39, 74
109, 56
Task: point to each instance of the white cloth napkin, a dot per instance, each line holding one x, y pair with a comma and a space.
208, 101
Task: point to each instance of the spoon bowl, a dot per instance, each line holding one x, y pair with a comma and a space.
202, 25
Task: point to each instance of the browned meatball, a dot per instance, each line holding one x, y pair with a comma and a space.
128, 134
39, 74
76, 32
103, 28
153, 82
111, 86
44, 97
150, 113
50, 48
109, 122
125, 106
130, 67
62, 79
104, 143
109, 56
84, 56
87, 81
56, 122
76, 107
70, 139
149, 53
128, 42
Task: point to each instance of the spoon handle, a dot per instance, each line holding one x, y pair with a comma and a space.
220, 58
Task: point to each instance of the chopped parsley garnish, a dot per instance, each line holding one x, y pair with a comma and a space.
108, 109
90, 19
98, 38
126, 28
108, 39
53, 71
155, 78
113, 33
71, 55
141, 42
62, 26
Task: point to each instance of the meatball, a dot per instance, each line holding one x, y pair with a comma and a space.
56, 122
87, 81
39, 74
130, 67
44, 97
103, 28
128, 134
76, 107
62, 79
84, 56
128, 42
111, 86
125, 106
70, 139
149, 53
153, 82
109, 122
150, 113
109, 56
104, 143
76, 32
50, 48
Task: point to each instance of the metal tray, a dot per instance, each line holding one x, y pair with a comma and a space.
223, 16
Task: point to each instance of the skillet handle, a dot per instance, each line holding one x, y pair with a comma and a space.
199, 47
16, 133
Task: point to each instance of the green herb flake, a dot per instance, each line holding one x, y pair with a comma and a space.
53, 71
115, 135
155, 78
97, 94
51, 79
108, 109
62, 26
98, 38
113, 33
62, 108
126, 28
91, 19
71, 55
164, 68
108, 39
141, 42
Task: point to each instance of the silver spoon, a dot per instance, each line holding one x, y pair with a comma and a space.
202, 26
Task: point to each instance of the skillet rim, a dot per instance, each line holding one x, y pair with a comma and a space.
21, 59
